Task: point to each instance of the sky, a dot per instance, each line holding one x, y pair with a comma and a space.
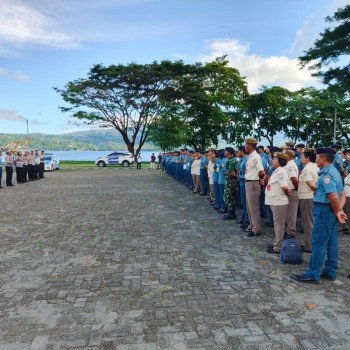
46, 44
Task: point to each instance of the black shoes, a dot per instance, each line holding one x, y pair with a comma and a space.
270, 250
240, 222
327, 277
253, 234
244, 226
268, 224
304, 279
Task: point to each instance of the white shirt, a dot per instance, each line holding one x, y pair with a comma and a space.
274, 195
196, 167
253, 166
210, 172
309, 173
292, 171
139, 159
347, 186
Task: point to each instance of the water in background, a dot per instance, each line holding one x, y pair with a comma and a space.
93, 155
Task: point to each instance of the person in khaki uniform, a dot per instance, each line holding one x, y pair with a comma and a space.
276, 196
306, 190
293, 175
254, 171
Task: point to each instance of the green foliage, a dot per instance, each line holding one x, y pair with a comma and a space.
125, 97
332, 46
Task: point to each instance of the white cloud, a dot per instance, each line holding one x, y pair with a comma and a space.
2, 71
259, 70
312, 27
37, 122
6, 114
21, 24
21, 76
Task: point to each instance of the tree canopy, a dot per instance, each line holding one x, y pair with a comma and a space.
333, 46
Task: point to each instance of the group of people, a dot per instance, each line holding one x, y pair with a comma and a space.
29, 166
152, 163
279, 183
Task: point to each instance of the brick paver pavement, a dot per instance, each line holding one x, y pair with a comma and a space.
125, 259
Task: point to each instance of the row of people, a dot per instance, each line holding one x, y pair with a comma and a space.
29, 166
282, 179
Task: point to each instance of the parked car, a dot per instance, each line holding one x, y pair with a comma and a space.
116, 158
51, 162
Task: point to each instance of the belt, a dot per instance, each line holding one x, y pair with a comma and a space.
242, 179
251, 180
320, 203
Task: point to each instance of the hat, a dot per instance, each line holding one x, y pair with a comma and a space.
335, 146
309, 150
230, 149
289, 152
290, 143
251, 141
300, 145
241, 148
261, 146
324, 150
281, 155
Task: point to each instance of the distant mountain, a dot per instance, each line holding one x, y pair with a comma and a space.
91, 140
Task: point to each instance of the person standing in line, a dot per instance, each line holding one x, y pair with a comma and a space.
347, 202
338, 160
293, 175
9, 161
276, 196
222, 180
204, 173
196, 170
37, 164
19, 167
254, 172
306, 189
329, 201
31, 165
153, 161
42, 165
242, 166
231, 184
25, 166
139, 161
211, 164
160, 157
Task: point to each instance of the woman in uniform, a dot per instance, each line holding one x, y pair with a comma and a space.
276, 196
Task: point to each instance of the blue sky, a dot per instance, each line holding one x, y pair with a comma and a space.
45, 44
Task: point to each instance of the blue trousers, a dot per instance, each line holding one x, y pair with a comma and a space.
217, 194
221, 196
204, 181
0, 174
243, 201
324, 243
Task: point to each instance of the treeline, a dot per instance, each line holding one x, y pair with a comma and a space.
92, 140
173, 103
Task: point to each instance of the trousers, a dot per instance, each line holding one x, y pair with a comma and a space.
9, 173
279, 220
252, 190
204, 181
324, 243
244, 216
307, 220
292, 213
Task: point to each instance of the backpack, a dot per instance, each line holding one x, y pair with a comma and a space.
291, 252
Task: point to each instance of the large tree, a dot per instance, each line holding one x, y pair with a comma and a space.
125, 97
267, 111
332, 47
209, 96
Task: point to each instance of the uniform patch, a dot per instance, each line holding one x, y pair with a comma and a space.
281, 176
327, 180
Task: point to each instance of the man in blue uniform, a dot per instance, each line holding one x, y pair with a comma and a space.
204, 173
242, 166
328, 203
338, 160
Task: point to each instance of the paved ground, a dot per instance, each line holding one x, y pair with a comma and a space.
119, 259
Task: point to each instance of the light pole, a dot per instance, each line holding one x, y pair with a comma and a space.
26, 122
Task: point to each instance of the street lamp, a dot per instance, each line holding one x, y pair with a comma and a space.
26, 122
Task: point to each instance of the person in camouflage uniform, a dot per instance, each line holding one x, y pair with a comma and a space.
231, 184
